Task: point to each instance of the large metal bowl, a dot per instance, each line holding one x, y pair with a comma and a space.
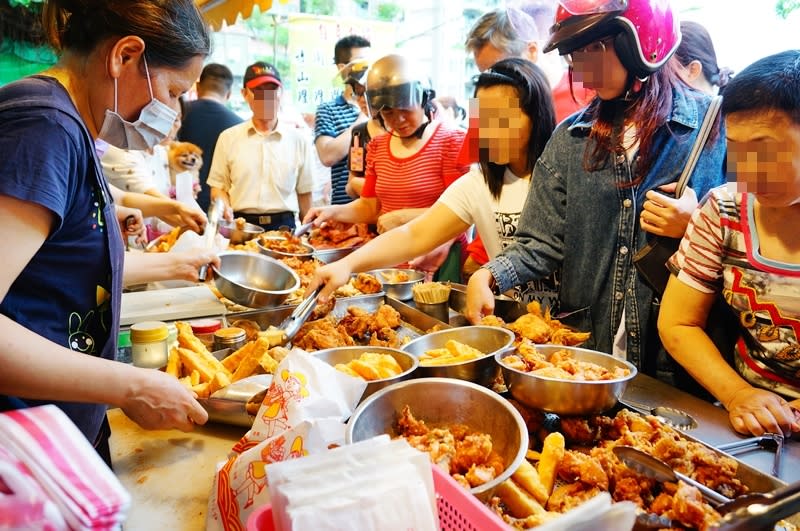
407, 362
237, 236
399, 290
489, 339
306, 254
567, 397
254, 280
443, 402
328, 256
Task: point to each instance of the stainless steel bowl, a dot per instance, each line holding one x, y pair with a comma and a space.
254, 280
308, 253
567, 397
236, 235
407, 362
399, 290
442, 402
488, 339
328, 256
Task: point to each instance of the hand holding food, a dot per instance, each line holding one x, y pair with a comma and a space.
480, 298
185, 216
758, 411
157, 401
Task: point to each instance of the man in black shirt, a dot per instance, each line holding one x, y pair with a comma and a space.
205, 118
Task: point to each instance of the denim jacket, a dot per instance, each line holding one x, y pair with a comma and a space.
587, 223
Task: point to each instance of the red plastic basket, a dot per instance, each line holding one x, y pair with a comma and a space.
458, 509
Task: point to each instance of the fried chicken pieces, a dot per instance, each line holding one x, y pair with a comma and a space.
590, 466
561, 365
468, 456
539, 327
358, 324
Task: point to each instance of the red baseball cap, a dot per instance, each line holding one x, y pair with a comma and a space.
260, 73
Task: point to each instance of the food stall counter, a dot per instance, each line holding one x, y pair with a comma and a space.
169, 473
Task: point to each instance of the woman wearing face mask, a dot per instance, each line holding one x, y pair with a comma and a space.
602, 183
515, 93
409, 168
60, 287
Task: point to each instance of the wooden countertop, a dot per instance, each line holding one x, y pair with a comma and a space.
169, 473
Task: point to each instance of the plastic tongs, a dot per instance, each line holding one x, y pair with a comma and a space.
768, 441
302, 229
215, 211
291, 325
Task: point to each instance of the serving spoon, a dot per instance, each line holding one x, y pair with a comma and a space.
670, 416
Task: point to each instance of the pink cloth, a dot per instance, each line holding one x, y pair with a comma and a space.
69, 471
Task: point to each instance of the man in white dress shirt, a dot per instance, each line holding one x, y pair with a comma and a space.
262, 168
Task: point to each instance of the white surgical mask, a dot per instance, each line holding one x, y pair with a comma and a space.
154, 123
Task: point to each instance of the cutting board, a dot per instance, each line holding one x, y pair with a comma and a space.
170, 304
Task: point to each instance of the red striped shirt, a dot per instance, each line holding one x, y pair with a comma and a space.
416, 181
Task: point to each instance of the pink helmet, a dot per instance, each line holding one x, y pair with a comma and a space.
647, 31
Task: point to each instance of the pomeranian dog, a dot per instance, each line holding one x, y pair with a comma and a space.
185, 156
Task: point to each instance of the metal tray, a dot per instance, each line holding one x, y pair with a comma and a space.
227, 406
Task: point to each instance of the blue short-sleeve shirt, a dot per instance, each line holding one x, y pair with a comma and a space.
64, 292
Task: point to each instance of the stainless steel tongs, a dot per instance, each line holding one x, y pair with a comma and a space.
291, 325
768, 441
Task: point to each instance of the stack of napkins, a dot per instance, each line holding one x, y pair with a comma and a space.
302, 414
374, 485
51, 450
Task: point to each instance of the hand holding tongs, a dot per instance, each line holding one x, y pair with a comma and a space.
291, 325
756, 511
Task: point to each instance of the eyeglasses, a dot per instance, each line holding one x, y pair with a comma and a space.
597, 47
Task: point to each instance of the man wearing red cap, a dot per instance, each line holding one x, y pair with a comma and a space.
262, 168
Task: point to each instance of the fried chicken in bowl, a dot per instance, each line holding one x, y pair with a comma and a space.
446, 403
564, 380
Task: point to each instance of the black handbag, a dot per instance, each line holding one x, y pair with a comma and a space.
651, 260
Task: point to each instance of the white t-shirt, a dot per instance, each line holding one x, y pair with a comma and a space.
262, 172
137, 171
496, 221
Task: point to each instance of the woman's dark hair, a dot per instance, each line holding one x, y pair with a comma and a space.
770, 84
535, 100
696, 45
647, 110
173, 30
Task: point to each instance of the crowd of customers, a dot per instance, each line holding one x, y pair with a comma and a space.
566, 165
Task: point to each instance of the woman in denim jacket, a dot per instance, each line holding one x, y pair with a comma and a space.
602, 184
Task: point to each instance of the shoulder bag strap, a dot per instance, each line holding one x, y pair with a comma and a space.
699, 143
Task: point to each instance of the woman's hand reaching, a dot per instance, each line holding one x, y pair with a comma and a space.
758, 411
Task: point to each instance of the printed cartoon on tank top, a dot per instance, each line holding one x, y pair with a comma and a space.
84, 328
545, 290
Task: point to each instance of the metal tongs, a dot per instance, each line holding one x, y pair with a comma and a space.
768, 441
215, 211
291, 325
757, 512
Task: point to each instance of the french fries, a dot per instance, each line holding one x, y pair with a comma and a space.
453, 352
196, 368
526, 493
552, 452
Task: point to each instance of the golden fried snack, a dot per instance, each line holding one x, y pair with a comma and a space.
174, 363
519, 503
187, 340
453, 352
192, 361
528, 478
233, 360
219, 381
552, 452
201, 389
267, 362
371, 366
